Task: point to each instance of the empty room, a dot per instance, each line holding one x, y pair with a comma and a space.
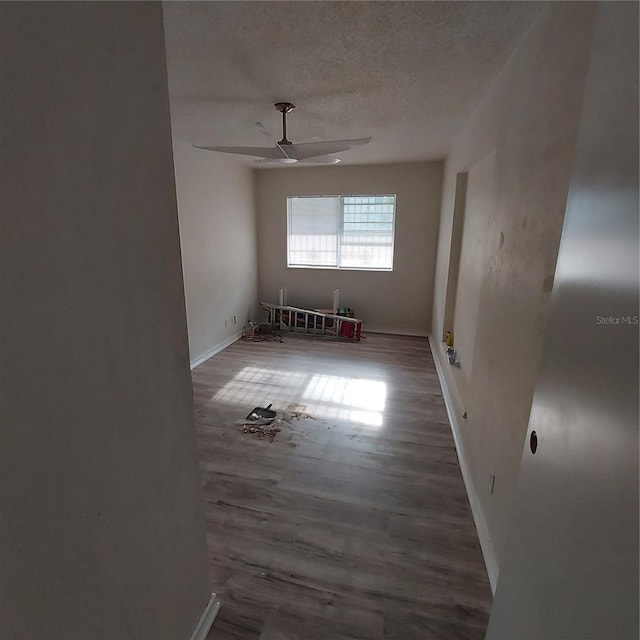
319, 321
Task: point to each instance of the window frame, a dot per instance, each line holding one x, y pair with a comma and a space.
341, 232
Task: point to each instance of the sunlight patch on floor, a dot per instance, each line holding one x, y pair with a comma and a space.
330, 397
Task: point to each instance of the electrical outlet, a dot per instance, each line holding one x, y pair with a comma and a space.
493, 482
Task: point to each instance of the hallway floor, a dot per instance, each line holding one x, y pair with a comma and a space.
354, 522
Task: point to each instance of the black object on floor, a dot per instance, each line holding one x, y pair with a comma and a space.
263, 414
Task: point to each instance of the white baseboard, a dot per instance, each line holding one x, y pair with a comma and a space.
217, 349
453, 406
207, 619
394, 332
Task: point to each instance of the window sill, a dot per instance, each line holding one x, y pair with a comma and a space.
325, 268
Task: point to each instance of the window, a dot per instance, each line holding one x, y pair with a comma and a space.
341, 232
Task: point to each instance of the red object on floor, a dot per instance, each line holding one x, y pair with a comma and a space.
346, 329
351, 330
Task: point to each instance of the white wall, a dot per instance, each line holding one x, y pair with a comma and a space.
398, 301
101, 522
219, 246
529, 120
571, 564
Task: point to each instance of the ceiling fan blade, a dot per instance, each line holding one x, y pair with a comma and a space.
325, 160
321, 160
258, 152
282, 160
314, 149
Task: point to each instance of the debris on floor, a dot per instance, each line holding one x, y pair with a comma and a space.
262, 430
253, 332
266, 423
296, 412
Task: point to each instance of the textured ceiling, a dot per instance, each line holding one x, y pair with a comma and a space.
407, 73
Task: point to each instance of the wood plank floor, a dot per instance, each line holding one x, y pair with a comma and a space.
352, 524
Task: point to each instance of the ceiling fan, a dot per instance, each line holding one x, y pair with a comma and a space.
286, 152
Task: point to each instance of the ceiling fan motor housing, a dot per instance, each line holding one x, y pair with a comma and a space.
284, 107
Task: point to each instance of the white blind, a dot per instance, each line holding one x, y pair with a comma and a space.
314, 225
